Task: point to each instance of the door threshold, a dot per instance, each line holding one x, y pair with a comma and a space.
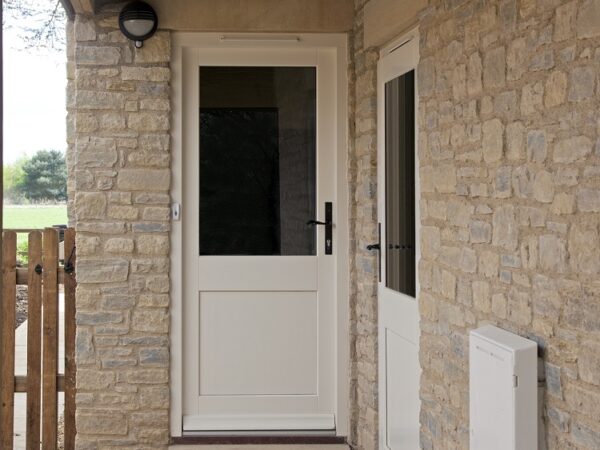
259, 438
259, 433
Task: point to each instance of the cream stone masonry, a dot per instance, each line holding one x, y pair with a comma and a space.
509, 149
363, 231
119, 166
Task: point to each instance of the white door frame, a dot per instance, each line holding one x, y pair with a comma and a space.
183, 44
396, 59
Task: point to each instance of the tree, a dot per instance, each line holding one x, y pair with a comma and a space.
45, 177
13, 180
39, 23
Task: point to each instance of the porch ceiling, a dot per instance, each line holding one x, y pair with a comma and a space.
310, 16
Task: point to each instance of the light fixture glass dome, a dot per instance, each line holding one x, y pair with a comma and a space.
138, 22
139, 27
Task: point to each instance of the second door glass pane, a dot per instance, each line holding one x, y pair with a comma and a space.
400, 184
257, 160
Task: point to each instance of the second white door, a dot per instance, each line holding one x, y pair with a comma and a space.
398, 211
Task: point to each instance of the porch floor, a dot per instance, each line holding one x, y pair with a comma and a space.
262, 447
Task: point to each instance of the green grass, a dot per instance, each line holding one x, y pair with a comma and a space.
37, 217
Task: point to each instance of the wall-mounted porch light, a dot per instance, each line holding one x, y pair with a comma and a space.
138, 21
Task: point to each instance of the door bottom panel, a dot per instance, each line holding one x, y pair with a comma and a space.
250, 422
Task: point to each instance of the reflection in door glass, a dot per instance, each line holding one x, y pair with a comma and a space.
257, 160
400, 184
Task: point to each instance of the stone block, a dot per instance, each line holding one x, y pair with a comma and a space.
543, 187
99, 100
516, 58
588, 19
572, 149
101, 423
505, 228
499, 305
85, 29
90, 205
581, 83
584, 243
102, 270
584, 436
155, 50
553, 380
147, 376
555, 92
153, 245
503, 184
553, 253
156, 74
494, 68
474, 75
532, 98
119, 245
515, 133
536, 146
493, 141
480, 232
564, 21
98, 56
150, 320
93, 379
154, 356
430, 242
481, 296
95, 152
148, 122
144, 179
588, 200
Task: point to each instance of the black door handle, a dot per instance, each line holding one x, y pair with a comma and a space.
328, 224
377, 247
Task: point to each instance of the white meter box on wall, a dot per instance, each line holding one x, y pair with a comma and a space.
503, 390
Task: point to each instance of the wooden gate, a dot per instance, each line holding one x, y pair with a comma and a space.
43, 276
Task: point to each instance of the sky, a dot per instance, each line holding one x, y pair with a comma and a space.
34, 99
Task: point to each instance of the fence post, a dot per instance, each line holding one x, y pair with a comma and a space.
7, 339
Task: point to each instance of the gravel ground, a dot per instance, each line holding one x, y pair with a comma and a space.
21, 305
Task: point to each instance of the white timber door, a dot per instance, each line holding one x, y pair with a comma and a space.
261, 235
398, 212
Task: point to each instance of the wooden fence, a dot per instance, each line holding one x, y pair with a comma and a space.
43, 275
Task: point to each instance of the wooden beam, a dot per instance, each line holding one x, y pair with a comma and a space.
68, 8
85, 7
21, 383
70, 328
23, 276
7, 339
34, 342
49, 339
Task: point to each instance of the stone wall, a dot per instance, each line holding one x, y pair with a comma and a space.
362, 178
510, 179
119, 124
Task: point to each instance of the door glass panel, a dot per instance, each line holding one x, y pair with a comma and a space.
400, 184
257, 160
